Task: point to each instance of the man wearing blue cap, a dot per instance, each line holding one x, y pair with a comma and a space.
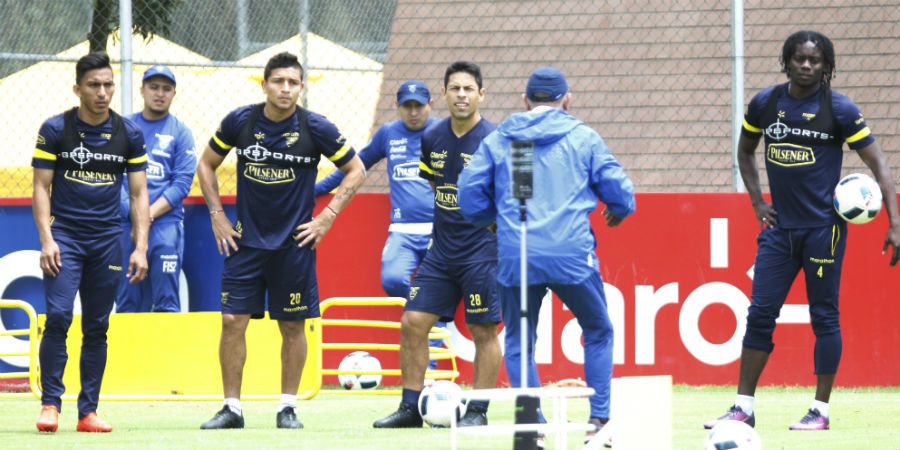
170, 169
572, 169
412, 209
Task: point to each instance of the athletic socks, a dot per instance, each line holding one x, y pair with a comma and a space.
821, 406
411, 398
234, 404
287, 401
745, 402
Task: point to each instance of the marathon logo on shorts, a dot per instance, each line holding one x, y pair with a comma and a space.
447, 197
295, 309
90, 177
413, 291
269, 174
224, 298
114, 268
406, 171
790, 155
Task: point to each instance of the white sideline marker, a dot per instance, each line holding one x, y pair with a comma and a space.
641, 416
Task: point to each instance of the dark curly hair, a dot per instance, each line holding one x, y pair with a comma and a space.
821, 42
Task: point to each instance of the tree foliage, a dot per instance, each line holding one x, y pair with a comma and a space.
149, 18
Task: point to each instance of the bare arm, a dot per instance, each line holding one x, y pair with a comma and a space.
140, 219
50, 257
765, 213
874, 158
222, 228
312, 232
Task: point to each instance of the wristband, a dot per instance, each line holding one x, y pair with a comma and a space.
216, 211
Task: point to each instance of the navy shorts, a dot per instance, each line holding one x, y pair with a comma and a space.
288, 275
438, 288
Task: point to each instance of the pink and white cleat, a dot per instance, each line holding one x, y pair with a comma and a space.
734, 413
812, 421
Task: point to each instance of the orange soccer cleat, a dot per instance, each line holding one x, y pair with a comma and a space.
48, 421
93, 424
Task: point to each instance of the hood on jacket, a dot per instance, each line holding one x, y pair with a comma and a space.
542, 126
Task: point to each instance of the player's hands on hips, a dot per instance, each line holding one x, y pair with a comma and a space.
766, 215
313, 231
51, 260
226, 236
611, 219
137, 267
892, 240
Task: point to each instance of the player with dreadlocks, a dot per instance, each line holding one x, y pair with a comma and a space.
805, 124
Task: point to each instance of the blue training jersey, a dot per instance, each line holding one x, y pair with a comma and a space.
171, 162
89, 163
276, 170
411, 196
803, 150
454, 239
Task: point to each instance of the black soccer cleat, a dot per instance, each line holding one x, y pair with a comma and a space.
473, 419
287, 418
404, 417
226, 418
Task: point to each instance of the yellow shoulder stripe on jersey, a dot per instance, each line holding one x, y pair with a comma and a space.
751, 128
861, 134
424, 168
40, 154
139, 160
221, 144
340, 153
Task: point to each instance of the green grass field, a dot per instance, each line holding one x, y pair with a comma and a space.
861, 419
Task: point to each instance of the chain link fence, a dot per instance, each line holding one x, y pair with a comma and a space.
654, 78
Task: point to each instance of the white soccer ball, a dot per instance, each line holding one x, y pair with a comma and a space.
857, 198
733, 434
439, 402
359, 361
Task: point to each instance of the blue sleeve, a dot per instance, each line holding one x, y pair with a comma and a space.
226, 136
751, 127
369, 155
136, 159
851, 122
329, 140
476, 186
608, 180
185, 165
46, 150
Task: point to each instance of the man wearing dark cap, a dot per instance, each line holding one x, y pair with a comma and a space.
573, 168
170, 170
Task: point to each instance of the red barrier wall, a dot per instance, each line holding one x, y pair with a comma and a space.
669, 284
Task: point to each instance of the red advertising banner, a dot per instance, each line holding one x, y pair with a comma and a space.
678, 276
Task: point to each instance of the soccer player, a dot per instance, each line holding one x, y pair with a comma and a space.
412, 203
572, 168
804, 124
270, 251
170, 170
462, 260
80, 160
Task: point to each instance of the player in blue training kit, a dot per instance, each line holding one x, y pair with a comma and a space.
82, 156
170, 170
572, 168
412, 203
804, 124
462, 260
270, 251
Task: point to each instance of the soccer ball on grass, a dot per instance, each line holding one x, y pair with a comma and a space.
359, 361
439, 402
732, 435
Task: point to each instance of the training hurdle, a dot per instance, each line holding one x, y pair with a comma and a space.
27, 350
436, 353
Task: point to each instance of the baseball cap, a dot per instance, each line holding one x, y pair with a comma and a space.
413, 90
546, 85
160, 71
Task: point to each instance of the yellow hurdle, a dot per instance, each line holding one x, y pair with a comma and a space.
438, 353
32, 353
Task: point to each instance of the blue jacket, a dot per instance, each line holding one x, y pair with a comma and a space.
573, 167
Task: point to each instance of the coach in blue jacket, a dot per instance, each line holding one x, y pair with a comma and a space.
572, 169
